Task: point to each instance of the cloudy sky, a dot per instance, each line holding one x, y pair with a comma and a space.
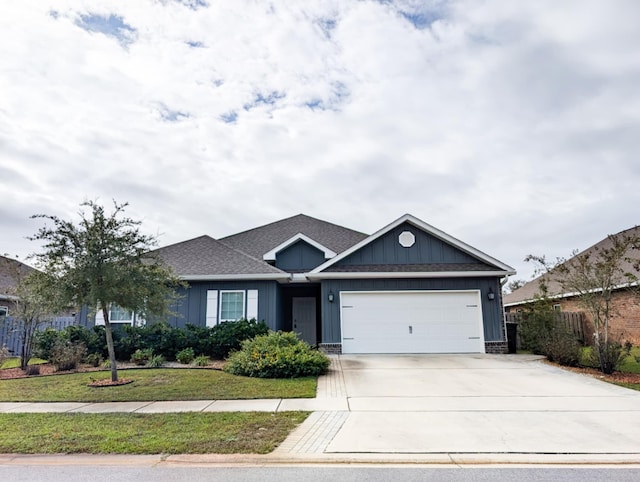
514, 126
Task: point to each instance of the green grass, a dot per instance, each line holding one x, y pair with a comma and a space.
14, 362
153, 384
175, 433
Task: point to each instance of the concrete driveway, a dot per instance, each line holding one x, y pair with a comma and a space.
481, 404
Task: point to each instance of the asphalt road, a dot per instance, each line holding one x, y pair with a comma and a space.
25, 473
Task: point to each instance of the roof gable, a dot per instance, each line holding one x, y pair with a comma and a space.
431, 250
271, 255
262, 240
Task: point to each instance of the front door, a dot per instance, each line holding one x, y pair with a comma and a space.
304, 318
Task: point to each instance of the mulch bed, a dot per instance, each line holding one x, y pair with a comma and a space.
48, 369
616, 377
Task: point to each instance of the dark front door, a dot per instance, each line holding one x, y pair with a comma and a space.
304, 318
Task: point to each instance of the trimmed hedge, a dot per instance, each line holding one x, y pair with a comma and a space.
277, 355
161, 338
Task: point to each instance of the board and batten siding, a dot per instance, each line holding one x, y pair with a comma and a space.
298, 257
192, 307
427, 249
491, 310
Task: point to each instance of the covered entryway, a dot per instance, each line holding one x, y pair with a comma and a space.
411, 322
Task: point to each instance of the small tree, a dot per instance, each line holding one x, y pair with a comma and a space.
34, 305
592, 277
31, 306
105, 260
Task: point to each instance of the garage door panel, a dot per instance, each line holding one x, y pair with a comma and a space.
411, 322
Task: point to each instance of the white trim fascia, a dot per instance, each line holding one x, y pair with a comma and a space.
236, 277
271, 255
404, 274
427, 228
572, 294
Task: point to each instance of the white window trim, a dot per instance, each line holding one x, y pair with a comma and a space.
4, 310
133, 321
244, 304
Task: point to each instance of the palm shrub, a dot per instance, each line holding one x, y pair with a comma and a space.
277, 355
185, 356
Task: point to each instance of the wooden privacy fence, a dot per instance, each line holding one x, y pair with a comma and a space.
575, 322
10, 330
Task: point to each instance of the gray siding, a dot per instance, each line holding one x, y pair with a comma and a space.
426, 250
491, 310
191, 308
299, 257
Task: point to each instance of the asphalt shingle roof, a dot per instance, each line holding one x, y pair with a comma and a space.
529, 290
259, 241
10, 271
205, 256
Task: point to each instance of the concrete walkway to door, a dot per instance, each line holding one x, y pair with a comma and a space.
469, 404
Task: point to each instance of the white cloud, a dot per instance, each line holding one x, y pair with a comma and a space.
511, 125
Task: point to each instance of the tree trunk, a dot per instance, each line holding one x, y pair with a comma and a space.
110, 348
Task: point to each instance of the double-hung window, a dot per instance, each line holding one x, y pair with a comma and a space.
231, 305
119, 314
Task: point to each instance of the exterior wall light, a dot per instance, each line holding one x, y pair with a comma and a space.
330, 296
491, 295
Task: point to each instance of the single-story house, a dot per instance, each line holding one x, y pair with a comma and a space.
625, 320
11, 271
407, 288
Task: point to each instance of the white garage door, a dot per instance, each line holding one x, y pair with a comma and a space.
411, 322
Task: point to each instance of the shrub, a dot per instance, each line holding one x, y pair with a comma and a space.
66, 355
4, 355
561, 346
611, 355
32, 370
44, 341
277, 355
229, 335
141, 357
94, 359
185, 356
201, 361
156, 361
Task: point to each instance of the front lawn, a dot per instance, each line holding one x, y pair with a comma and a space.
153, 384
14, 362
125, 433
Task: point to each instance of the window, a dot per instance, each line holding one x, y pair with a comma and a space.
119, 314
4, 311
557, 307
231, 305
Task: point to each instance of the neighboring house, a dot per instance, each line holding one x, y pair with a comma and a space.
625, 322
408, 288
11, 271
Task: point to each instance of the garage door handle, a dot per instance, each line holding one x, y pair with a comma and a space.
348, 338
410, 329
474, 338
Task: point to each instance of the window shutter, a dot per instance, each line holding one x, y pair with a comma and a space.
99, 317
252, 304
212, 308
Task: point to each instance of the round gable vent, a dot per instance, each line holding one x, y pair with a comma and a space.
406, 239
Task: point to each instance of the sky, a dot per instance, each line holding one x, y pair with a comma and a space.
512, 126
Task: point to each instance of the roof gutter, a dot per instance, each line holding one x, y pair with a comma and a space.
237, 277
404, 274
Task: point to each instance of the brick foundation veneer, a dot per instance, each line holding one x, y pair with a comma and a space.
494, 347
331, 348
